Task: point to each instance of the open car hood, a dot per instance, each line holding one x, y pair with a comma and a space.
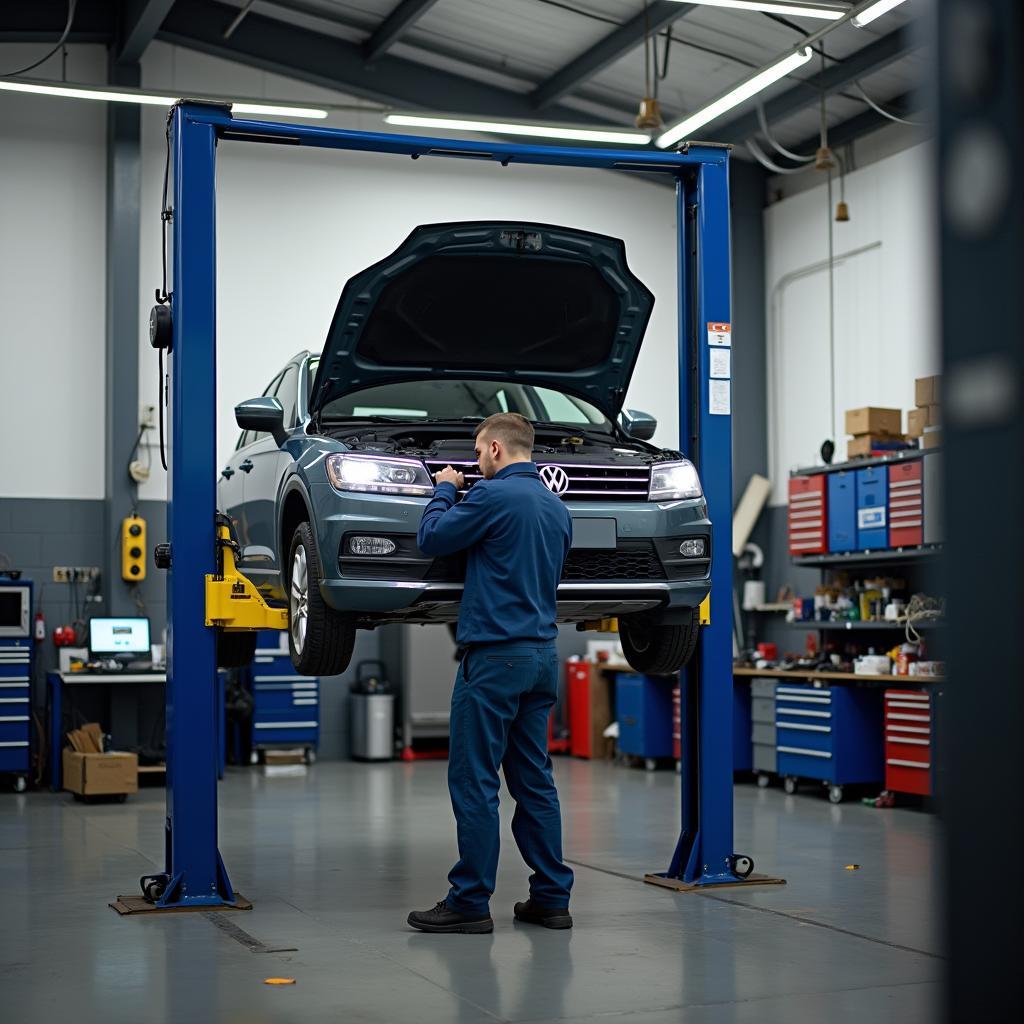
530, 303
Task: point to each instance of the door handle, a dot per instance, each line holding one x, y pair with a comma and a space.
246, 466
227, 472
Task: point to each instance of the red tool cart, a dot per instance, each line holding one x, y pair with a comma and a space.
808, 523
908, 742
906, 505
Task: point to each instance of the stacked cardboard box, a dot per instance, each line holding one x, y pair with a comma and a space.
89, 771
925, 421
873, 429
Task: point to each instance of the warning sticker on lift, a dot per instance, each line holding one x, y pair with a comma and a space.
720, 397
719, 334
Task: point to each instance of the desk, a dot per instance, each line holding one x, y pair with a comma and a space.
57, 681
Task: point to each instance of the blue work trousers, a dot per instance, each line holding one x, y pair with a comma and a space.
503, 697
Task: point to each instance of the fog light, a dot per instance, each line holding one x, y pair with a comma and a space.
371, 546
694, 548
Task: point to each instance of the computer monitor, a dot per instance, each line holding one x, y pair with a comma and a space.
119, 637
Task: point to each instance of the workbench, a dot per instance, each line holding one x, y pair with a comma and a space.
122, 713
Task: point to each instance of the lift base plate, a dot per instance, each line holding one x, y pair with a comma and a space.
129, 905
678, 885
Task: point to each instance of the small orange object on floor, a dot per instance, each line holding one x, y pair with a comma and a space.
278, 981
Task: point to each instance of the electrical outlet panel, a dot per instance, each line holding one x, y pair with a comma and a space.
75, 573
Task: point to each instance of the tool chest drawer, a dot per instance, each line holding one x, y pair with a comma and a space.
842, 511
762, 709
908, 741
872, 508
643, 706
15, 711
15, 661
286, 705
828, 733
906, 504
806, 518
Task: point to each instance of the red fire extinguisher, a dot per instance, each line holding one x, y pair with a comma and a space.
40, 628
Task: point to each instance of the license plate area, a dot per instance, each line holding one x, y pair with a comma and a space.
594, 534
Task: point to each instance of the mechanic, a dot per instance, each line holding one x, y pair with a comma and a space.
517, 534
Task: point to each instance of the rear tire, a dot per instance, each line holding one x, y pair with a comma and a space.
655, 648
320, 639
235, 650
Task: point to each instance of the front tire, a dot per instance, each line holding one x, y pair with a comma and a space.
658, 649
320, 639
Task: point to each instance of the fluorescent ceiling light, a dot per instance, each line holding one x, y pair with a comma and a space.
868, 15
750, 87
542, 131
806, 10
117, 95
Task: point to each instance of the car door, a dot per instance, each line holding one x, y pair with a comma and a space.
229, 485
262, 468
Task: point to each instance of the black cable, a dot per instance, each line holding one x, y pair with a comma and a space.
162, 296
72, 4
786, 23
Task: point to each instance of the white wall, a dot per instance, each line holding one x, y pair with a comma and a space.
885, 313
52, 286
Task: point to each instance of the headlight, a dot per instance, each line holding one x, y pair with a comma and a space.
379, 476
671, 480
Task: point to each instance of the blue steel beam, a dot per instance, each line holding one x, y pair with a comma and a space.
336, 64
142, 18
394, 26
606, 51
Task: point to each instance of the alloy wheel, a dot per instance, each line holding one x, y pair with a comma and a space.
298, 599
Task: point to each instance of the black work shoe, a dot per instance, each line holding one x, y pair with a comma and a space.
549, 917
443, 919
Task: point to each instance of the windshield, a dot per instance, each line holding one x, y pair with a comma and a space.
419, 400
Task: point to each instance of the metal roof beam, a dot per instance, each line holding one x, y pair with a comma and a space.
142, 18
616, 44
337, 64
394, 26
44, 21
863, 124
866, 61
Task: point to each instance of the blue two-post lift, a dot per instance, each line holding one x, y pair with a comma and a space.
195, 874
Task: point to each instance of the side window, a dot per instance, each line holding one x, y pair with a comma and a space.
288, 394
245, 438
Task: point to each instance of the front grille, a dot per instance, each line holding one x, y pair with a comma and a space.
630, 561
587, 481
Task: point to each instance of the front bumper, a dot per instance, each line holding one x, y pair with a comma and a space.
429, 590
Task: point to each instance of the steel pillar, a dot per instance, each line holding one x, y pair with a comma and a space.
194, 868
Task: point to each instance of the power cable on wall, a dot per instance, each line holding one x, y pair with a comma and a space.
72, 4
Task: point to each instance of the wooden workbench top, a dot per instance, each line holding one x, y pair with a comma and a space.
774, 673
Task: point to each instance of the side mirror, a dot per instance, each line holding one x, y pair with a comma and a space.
263, 415
640, 425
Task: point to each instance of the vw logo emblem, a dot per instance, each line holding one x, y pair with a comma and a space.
555, 479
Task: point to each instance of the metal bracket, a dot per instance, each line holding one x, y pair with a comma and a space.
232, 602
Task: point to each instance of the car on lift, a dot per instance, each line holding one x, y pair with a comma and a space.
335, 464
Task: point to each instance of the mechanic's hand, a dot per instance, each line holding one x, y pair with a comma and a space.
450, 476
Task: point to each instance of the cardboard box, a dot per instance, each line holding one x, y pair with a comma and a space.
931, 438
858, 447
925, 416
926, 391
100, 774
870, 420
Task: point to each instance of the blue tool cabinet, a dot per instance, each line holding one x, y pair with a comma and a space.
829, 733
643, 706
872, 502
287, 705
15, 692
842, 511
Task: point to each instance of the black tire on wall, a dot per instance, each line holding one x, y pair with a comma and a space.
235, 650
320, 639
655, 648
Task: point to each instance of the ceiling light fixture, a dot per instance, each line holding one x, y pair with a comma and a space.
114, 94
876, 10
747, 88
543, 131
827, 12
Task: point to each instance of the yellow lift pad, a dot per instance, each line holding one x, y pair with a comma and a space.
232, 602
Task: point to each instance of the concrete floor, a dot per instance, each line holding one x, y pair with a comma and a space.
334, 860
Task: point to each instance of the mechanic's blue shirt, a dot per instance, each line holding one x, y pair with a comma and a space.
517, 534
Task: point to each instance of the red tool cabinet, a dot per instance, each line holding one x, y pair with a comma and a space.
906, 505
590, 710
908, 742
807, 520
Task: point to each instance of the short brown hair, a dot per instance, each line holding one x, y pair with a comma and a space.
515, 432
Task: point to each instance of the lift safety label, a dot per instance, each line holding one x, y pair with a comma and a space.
720, 397
719, 334
720, 363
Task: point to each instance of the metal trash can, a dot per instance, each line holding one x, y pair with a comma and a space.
373, 716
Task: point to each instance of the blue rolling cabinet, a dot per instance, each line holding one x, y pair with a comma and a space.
643, 706
829, 733
842, 511
872, 503
287, 705
15, 679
